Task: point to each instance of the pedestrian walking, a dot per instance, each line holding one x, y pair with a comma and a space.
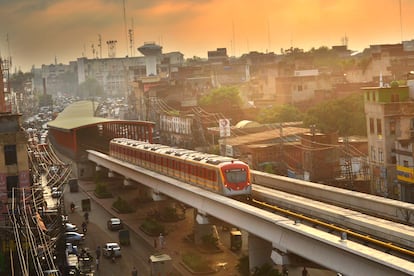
86, 217
134, 271
305, 272
161, 241
98, 252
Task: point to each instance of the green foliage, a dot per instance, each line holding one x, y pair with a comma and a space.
279, 114
345, 116
17, 80
101, 190
196, 262
45, 100
269, 168
243, 266
210, 241
266, 270
90, 88
122, 205
152, 227
223, 96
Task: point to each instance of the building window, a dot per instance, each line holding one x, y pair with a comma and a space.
380, 155
405, 163
392, 127
379, 127
372, 153
373, 96
12, 182
10, 154
371, 126
412, 124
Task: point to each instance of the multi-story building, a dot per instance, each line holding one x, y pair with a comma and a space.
389, 113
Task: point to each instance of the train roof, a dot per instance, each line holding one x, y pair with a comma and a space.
177, 152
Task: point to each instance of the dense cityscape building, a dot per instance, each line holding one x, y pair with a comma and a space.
156, 97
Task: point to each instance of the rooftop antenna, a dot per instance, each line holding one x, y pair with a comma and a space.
8, 49
234, 41
401, 29
131, 38
268, 35
125, 27
100, 45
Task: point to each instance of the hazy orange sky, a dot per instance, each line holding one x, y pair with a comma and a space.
35, 32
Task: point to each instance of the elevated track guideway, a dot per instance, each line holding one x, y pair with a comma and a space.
321, 245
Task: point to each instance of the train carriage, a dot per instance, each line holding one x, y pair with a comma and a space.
220, 174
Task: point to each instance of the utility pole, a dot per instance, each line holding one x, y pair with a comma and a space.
348, 166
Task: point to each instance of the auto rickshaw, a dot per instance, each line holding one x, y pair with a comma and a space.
235, 240
123, 236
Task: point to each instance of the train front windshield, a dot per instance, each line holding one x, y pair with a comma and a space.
236, 175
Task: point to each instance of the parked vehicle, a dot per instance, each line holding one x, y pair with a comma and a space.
124, 237
74, 237
70, 227
111, 248
114, 224
73, 185
56, 192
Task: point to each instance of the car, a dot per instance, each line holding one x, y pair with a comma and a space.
114, 224
74, 237
70, 227
110, 247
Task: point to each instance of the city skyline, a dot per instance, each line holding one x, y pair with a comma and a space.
45, 32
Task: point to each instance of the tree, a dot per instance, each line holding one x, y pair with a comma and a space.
279, 114
345, 116
90, 88
17, 80
227, 96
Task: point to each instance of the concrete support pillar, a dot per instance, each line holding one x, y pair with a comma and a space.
157, 196
111, 174
202, 227
259, 251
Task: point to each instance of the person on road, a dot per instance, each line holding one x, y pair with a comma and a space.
161, 241
98, 252
134, 271
72, 207
86, 216
84, 227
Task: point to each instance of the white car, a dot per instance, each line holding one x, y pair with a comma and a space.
74, 237
56, 192
110, 247
70, 227
114, 224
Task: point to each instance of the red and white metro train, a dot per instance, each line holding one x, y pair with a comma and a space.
223, 175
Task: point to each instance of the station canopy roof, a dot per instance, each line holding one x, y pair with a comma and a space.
77, 115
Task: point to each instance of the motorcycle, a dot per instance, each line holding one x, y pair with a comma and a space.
84, 228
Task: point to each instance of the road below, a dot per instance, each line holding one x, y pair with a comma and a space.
136, 254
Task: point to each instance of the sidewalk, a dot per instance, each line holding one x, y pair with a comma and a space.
224, 262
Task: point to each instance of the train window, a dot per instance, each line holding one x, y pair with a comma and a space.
236, 176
